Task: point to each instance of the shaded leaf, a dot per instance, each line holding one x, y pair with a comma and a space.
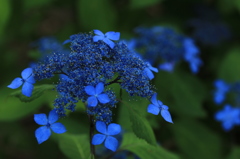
230, 66
5, 9
142, 3
235, 153
13, 109
143, 150
195, 140
183, 93
36, 3
140, 125
75, 146
37, 92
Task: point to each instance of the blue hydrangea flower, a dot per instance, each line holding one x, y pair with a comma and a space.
27, 81
167, 66
96, 95
221, 89
110, 143
111, 35
229, 117
148, 71
44, 132
158, 44
157, 106
88, 64
191, 54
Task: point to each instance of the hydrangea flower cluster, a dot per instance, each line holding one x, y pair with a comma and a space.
229, 115
164, 47
96, 61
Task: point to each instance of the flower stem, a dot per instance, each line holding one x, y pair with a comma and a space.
91, 133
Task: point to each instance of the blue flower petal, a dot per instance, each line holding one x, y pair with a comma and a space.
26, 73
109, 42
153, 109
153, 69
98, 139
148, 73
154, 100
165, 114
113, 35
101, 127
27, 89
17, 82
31, 80
227, 125
98, 32
41, 119
114, 129
99, 88
58, 128
160, 103
219, 116
103, 98
97, 38
167, 66
67, 41
42, 134
90, 90
52, 117
92, 101
111, 143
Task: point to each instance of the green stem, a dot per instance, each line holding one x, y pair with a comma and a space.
91, 133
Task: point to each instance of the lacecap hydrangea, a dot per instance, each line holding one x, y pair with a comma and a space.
97, 61
164, 48
229, 115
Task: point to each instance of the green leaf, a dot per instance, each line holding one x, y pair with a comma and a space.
142, 3
75, 146
144, 150
37, 92
140, 125
5, 9
97, 14
229, 69
195, 140
235, 153
13, 109
226, 6
183, 93
36, 3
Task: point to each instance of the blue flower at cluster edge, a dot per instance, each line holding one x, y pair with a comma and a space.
110, 143
157, 106
44, 132
27, 81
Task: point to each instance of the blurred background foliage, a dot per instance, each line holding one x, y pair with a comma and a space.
194, 134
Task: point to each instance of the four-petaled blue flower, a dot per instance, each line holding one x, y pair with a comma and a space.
148, 71
110, 143
44, 132
157, 106
27, 81
111, 35
229, 117
96, 94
